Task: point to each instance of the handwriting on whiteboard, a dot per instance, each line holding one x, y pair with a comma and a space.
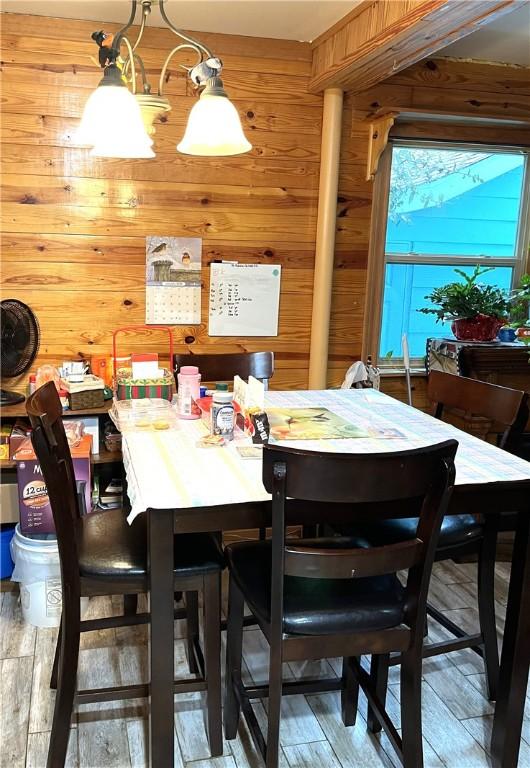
244, 299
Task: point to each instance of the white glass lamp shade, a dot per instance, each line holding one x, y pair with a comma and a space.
112, 124
213, 129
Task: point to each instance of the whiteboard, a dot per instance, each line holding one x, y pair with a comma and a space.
244, 299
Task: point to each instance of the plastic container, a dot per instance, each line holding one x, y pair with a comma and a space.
188, 382
38, 571
7, 532
143, 413
222, 415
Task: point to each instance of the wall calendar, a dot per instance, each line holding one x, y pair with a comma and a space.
173, 280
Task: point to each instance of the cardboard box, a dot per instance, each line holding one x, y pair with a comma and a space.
33, 503
8, 502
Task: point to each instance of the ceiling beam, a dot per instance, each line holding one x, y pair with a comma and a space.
381, 37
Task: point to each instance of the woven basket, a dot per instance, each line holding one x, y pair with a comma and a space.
128, 388
90, 398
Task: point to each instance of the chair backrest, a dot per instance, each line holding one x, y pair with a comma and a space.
500, 405
53, 452
335, 480
224, 367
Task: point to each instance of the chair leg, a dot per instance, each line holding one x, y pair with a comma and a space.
349, 695
67, 682
53, 677
234, 655
275, 703
411, 664
130, 605
486, 605
212, 652
379, 677
192, 629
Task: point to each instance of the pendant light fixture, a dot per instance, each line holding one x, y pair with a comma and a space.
118, 122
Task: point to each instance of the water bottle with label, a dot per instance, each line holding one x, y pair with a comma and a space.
189, 380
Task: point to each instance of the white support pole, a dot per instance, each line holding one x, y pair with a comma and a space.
325, 239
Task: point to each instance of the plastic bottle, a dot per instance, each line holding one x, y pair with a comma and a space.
63, 397
222, 415
188, 379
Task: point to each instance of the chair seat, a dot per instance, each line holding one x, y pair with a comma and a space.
110, 548
456, 531
316, 606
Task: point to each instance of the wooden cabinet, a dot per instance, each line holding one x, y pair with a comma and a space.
495, 362
504, 364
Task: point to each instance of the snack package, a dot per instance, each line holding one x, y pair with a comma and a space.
47, 373
249, 401
211, 441
259, 427
20, 432
74, 432
5, 435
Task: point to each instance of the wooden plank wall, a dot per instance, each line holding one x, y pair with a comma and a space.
461, 87
375, 40
74, 227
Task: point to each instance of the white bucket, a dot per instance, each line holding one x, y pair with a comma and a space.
37, 568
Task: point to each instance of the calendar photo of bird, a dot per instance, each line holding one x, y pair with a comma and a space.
173, 260
160, 248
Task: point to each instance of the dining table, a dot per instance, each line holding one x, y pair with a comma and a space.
184, 487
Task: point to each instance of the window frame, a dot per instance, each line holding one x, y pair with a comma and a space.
378, 258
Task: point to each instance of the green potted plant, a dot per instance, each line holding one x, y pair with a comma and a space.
520, 310
477, 311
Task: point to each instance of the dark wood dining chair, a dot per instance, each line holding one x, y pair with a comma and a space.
223, 367
101, 554
504, 412
327, 597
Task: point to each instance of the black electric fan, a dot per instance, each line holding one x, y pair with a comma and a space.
20, 342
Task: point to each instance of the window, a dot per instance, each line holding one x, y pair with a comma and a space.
449, 205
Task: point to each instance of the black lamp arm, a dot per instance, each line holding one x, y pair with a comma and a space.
117, 40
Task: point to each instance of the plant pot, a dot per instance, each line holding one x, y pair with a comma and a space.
478, 328
523, 334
